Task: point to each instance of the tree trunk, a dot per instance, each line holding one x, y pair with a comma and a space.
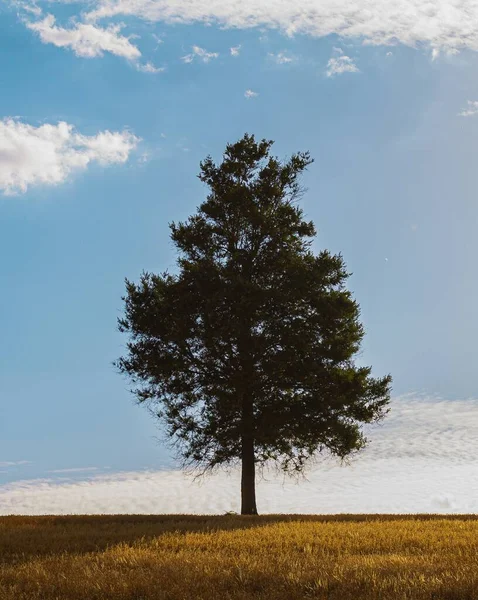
248, 478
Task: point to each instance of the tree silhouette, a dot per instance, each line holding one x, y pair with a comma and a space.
246, 353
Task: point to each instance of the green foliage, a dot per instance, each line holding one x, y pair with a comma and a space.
252, 315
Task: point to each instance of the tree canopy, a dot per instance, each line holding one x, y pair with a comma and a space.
246, 353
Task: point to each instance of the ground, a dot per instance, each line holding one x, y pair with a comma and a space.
276, 557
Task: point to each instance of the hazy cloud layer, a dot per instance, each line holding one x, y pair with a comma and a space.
48, 154
422, 458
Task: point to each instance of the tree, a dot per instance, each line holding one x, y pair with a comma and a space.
246, 354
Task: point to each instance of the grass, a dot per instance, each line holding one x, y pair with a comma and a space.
276, 557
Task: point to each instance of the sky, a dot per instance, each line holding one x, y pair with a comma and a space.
106, 109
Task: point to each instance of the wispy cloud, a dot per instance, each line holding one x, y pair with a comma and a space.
250, 94
470, 110
48, 154
448, 51
159, 41
280, 58
421, 458
150, 68
30, 7
235, 50
14, 463
74, 470
200, 54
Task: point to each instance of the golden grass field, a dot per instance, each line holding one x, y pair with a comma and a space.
278, 557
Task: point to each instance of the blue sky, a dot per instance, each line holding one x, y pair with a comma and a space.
106, 109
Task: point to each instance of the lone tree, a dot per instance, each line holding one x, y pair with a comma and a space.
246, 353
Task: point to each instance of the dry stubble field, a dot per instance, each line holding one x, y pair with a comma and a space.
276, 557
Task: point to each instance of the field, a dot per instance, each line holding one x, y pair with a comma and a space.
278, 557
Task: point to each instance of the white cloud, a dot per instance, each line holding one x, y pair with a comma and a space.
85, 39
280, 58
421, 458
250, 94
48, 154
341, 64
470, 110
235, 50
90, 41
199, 53
14, 463
451, 24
